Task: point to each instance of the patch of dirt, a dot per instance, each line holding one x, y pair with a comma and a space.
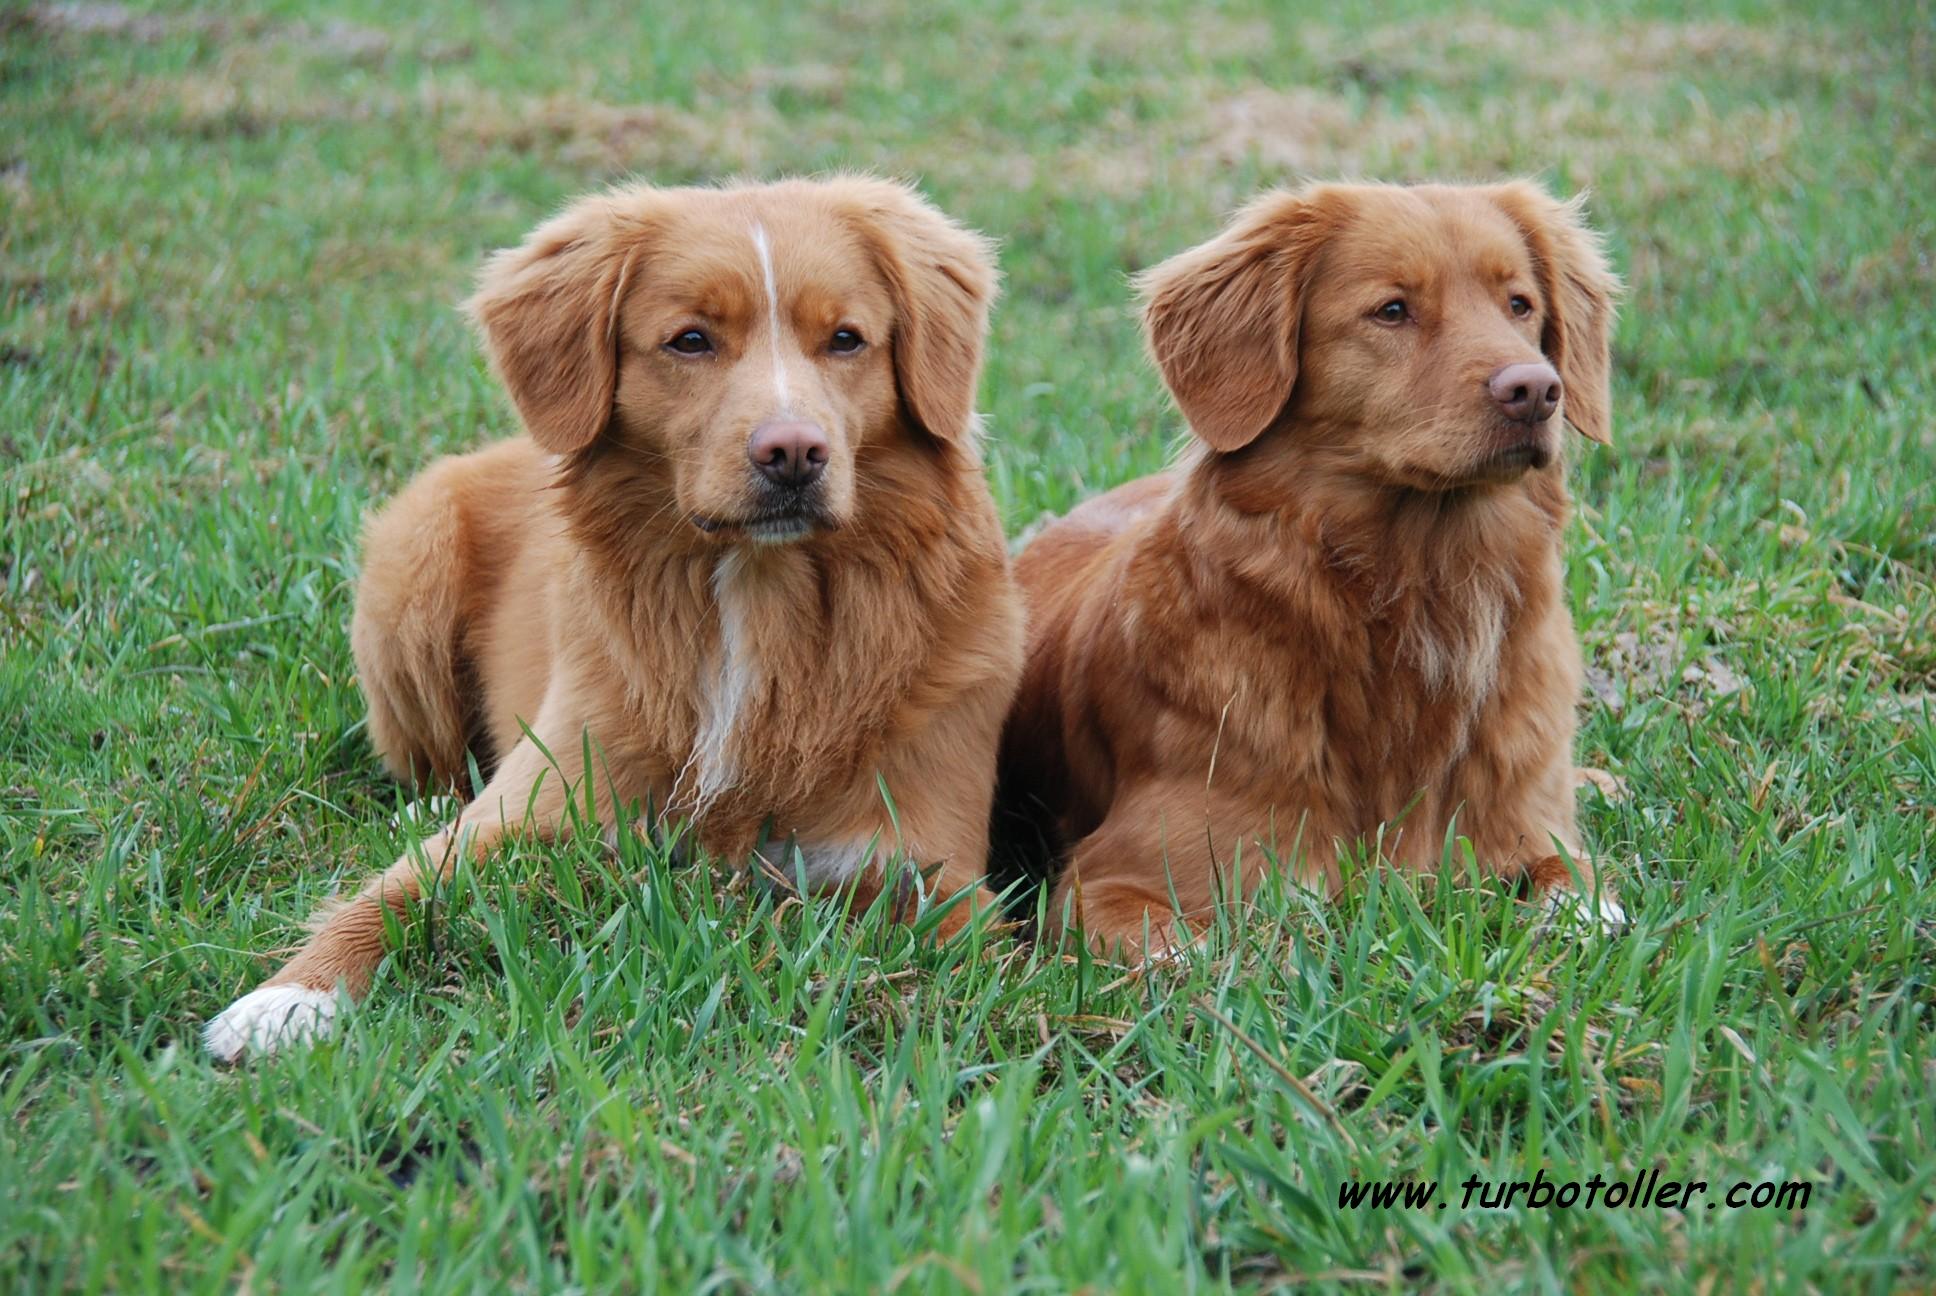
466, 119
1616, 100
1123, 36
1604, 124
821, 81
349, 41
96, 19
1471, 49
1608, 109
1306, 131
589, 133
1633, 667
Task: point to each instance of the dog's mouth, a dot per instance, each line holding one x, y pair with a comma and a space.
770, 527
1515, 460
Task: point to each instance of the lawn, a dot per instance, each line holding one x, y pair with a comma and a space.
231, 241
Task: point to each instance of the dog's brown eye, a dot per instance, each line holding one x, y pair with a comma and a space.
1520, 306
691, 342
1392, 312
846, 342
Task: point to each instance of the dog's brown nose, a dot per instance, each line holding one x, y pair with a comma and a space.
1526, 393
788, 452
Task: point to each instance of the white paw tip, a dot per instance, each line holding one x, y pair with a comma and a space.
430, 812
265, 1020
1601, 910
1171, 952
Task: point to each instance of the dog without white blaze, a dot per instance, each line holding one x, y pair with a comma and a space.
1343, 610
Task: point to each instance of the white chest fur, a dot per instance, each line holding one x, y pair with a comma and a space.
730, 686
727, 683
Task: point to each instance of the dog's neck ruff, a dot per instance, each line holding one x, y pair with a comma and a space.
1439, 581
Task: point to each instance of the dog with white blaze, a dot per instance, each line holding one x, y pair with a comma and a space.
744, 553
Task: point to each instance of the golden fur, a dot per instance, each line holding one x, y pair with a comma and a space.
620, 573
1343, 610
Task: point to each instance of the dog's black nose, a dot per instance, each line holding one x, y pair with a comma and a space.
788, 452
1526, 393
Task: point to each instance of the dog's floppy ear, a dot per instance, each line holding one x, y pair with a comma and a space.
943, 280
548, 311
1222, 319
1580, 291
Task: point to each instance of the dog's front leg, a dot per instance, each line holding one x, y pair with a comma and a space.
1147, 882
1529, 835
526, 795
1571, 888
940, 779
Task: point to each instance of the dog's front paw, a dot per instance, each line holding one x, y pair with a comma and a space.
270, 1018
1568, 908
427, 814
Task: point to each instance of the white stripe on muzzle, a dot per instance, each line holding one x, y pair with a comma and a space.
772, 316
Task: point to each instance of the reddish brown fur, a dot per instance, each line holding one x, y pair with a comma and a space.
561, 581
1342, 610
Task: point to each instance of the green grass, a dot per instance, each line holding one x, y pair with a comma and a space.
230, 244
